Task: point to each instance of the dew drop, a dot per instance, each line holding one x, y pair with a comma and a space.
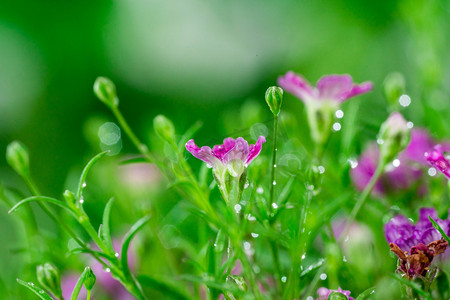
321, 169
41, 292
274, 182
274, 205
81, 200
410, 124
247, 246
404, 100
107, 270
396, 162
344, 259
380, 141
251, 218
303, 256
260, 190
275, 165
309, 298
116, 254
337, 126
237, 208
323, 276
283, 279
30, 284
353, 162
339, 114
432, 171
254, 235
83, 185
247, 184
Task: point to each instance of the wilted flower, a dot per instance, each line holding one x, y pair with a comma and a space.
417, 262
233, 155
324, 293
437, 159
402, 173
322, 101
401, 232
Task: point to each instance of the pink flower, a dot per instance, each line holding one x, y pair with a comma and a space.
337, 88
437, 159
234, 155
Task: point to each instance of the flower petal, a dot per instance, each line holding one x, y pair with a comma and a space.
204, 153
297, 85
255, 149
220, 151
436, 159
335, 87
359, 89
420, 143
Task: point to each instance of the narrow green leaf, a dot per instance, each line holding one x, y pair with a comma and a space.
134, 160
189, 133
211, 283
164, 286
126, 243
35, 289
364, 295
105, 232
415, 286
79, 284
41, 198
438, 228
86, 171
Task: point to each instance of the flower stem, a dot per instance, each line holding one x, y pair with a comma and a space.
274, 162
362, 198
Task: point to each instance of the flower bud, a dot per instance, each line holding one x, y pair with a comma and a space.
89, 280
17, 157
394, 87
70, 198
236, 167
164, 128
274, 98
48, 277
394, 137
105, 90
337, 296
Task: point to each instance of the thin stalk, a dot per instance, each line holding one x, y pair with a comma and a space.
88, 296
274, 162
362, 198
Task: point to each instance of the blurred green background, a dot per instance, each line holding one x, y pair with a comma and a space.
198, 60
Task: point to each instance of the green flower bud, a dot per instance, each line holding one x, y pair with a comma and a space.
236, 167
337, 296
17, 157
89, 280
105, 90
164, 128
48, 277
394, 87
274, 98
393, 137
70, 198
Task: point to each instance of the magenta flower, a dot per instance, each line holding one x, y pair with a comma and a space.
399, 176
233, 155
324, 293
437, 159
336, 88
401, 232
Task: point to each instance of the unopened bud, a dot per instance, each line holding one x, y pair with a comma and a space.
70, 198
89, 280
48, 277
337, 296
274, 98
394, 87
105, 90
394, 136
17, 157
164, 128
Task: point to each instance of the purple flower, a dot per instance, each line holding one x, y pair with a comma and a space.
400, 231
324, 293
417, 262
406, 171
437, 159
336, 88
233, 155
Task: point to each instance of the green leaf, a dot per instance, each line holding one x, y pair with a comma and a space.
135, 160
211, 283
105, 232
164, 286
126, 243
337, 296
42, 198
189, 133
86, 171
35, 289
415, 286
79, 284
364, 295
438, 228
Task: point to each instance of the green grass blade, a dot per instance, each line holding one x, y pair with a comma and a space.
79, 285
438, 228
86, 171
168, 289
35, 289
41, 198
105, 232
